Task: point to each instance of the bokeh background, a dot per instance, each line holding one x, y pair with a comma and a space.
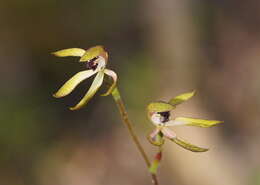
159, 49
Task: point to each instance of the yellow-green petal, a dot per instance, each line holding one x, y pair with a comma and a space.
71, 84
92, 53
188, 146
74, 52
197, 122
113, 75
159, 106
91, 92
181, 98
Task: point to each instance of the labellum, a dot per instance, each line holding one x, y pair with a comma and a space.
92, 64
165, 116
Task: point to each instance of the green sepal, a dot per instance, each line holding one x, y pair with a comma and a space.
188, 146
91, 92
71, 84
159, 106
74, 52
181, 98
92, 53
198, 122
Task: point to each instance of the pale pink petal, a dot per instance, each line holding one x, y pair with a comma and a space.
168, 133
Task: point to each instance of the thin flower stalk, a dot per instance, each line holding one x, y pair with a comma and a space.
96, 59
159, 112
121, 107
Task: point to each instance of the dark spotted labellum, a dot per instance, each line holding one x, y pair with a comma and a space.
92, 64
165, 116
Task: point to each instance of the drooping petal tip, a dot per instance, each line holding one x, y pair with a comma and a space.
113, 75
73, 108
55, 95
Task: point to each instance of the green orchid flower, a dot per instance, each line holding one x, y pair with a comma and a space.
160, 115
96, 59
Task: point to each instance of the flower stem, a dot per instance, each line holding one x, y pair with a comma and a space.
156, 162
129, 125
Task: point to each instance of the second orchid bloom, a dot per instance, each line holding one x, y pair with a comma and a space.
160, 115
96, 59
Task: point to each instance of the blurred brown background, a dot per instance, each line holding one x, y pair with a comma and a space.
159, 49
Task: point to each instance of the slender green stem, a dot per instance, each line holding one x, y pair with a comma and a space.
156, 162
129, 125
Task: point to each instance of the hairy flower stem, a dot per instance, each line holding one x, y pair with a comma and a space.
129, 125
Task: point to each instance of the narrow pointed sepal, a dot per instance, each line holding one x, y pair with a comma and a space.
75, 52
159, 106
113, 75
196, 122
181, 98
91, 92
188, 146
92, 53
71, 84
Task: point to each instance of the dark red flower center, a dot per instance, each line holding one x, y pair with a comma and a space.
165, 116
92, 64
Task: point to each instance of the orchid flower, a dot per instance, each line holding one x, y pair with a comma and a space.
160, 115
96, 59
